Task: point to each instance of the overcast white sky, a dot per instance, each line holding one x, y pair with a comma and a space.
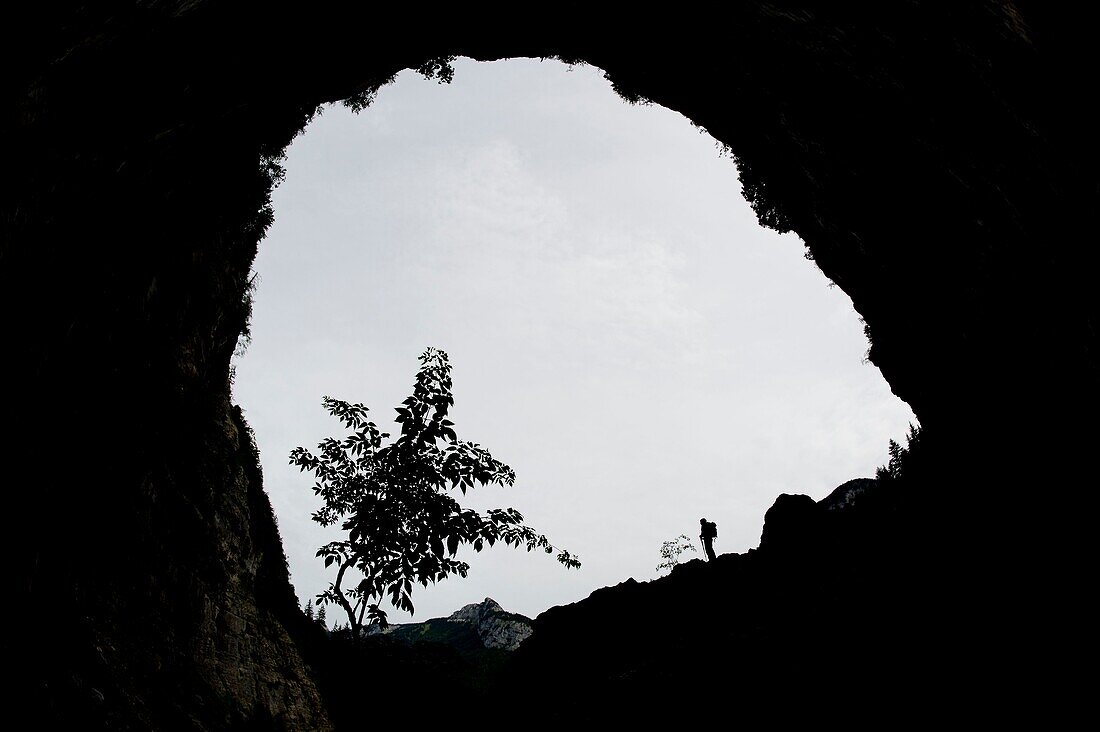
623, 333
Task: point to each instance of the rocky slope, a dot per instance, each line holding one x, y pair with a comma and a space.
815, 625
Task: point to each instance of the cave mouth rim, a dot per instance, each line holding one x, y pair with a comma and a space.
721, 150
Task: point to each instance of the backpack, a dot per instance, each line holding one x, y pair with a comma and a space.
710, 530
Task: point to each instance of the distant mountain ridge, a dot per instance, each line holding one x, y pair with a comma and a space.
472, 628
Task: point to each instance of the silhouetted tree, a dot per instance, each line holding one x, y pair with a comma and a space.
901, 458
309, 609
672, 549
321, 617
402, 525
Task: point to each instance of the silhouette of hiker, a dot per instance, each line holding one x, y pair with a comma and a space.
708, 532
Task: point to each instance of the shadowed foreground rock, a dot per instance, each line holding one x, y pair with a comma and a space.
938, 159
839, 616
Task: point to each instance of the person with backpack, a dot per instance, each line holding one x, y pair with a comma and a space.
708, 533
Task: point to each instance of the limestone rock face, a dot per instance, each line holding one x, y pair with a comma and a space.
242, 643
477, 611
478, 625
495, 627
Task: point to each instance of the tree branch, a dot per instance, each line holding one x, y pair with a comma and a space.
343, 599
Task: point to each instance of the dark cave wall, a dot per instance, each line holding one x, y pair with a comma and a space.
934, 157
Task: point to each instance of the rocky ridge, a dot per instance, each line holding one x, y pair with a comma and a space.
800, 612
487, 621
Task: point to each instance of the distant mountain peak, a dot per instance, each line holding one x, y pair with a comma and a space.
483, 623
476, 611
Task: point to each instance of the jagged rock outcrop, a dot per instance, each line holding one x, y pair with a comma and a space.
937, 159
485, 621
795, 521
845, 495
495, 627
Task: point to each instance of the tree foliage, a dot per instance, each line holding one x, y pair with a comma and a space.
393, 499
902, 459
671, 551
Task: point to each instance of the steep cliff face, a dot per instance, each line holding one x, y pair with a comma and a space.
184, 628
936, 159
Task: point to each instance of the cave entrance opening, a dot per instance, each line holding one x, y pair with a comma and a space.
623, 331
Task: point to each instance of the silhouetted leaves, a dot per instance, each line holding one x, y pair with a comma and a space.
392, 500
672, 549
